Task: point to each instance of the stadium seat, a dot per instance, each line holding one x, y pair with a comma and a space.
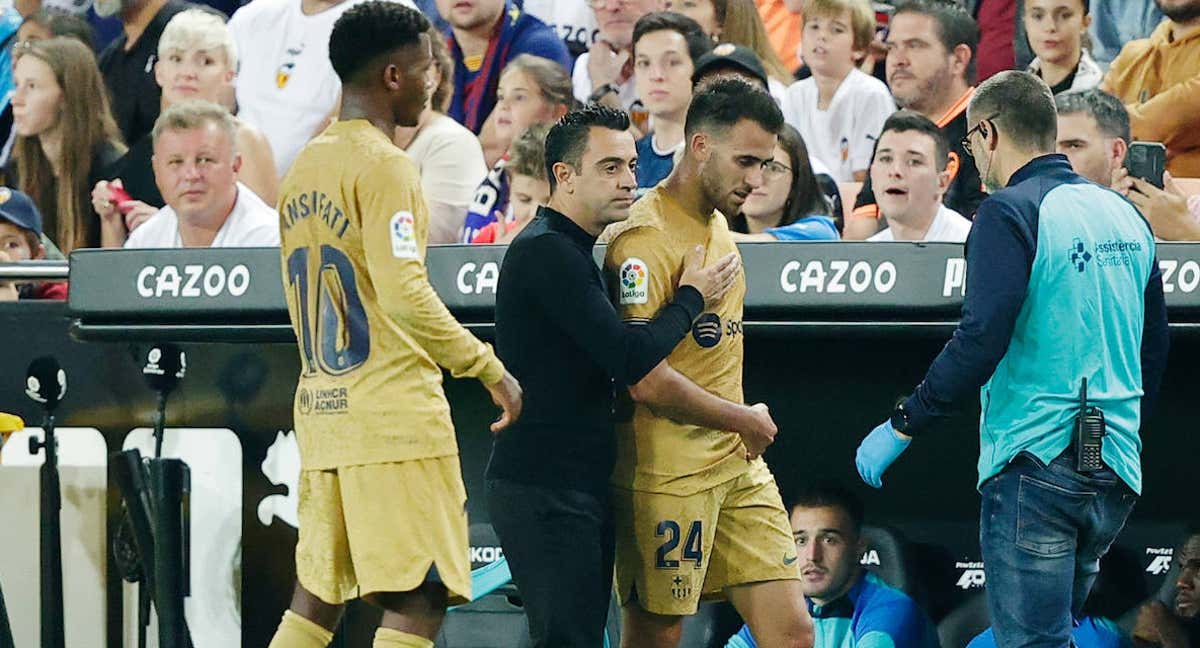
964, 623
887, 556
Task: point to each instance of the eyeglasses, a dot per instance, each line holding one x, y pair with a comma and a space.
776, 168
966, 141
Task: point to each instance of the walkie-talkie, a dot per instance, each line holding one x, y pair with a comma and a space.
1089, 434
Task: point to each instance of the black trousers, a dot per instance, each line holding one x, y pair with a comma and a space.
559, 546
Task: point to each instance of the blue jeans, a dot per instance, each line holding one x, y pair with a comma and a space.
1042, 531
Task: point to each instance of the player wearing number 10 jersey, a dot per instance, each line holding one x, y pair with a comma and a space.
382, 504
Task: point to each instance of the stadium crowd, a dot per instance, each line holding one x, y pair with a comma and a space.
174, 128
839, 70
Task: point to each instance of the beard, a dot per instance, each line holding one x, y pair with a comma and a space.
927, 93
1184, 13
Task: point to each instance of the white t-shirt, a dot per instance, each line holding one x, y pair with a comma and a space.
286, 85
948, 226
452, 166
572, 20
252, 223
842, 136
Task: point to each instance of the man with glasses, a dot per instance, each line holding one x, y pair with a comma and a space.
1063, 294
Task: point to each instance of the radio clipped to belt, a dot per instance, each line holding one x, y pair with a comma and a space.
1089, 434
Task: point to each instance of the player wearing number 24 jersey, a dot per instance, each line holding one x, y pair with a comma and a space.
696, 510
381, 501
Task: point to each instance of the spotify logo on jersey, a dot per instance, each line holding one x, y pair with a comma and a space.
706, 330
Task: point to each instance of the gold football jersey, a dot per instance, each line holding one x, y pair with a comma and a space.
644, 260
370, 329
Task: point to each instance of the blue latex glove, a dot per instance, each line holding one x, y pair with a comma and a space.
877, 452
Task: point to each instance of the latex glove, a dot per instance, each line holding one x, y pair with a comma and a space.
877, 452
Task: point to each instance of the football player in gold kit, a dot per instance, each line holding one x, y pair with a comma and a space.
697, 511
382, 504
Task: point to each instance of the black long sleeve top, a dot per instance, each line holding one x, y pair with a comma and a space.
559, 335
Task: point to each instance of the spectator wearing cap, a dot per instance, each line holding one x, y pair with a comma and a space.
729, 60
839, 110
128, 62
486, 35
196, 164
604, 73
21, 240
666, 46
1157, 80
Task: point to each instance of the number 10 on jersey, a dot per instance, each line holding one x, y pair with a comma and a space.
339, 340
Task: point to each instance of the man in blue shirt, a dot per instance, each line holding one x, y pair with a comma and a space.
1062, 287
486, 35
850, 607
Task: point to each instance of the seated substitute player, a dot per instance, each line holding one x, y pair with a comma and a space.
850, 606
696, 510
377, 447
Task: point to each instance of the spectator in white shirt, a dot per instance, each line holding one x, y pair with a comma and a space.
286, 86
909, 175
195, 165
839, 110
447, 154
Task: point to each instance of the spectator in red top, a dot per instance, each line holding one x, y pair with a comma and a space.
21, 240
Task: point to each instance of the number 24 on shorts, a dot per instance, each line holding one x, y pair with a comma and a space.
692, 549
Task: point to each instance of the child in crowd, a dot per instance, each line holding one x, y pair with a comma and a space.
21, 240
528, 186
532, 90
839, 110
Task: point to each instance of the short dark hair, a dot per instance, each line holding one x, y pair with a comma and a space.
698, 42
828, 494
369, 30
726, 101
568, 139
64, 23
1108, 111
1023, 109
903, 121
955, 26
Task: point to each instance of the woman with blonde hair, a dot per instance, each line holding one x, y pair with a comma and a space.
197, 59
66, 136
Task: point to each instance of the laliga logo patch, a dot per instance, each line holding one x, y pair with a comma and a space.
634, 278
404, 238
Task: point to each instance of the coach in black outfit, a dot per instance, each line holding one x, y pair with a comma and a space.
557, 332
